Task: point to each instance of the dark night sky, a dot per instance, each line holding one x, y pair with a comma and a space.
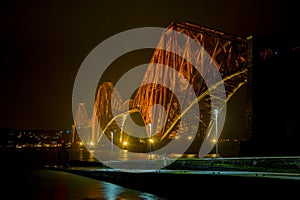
43, 44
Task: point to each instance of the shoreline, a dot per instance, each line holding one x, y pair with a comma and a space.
175, 184
185, 177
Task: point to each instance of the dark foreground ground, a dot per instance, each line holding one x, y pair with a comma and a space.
197, 184
186, 178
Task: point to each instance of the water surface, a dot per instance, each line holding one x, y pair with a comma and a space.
43, 184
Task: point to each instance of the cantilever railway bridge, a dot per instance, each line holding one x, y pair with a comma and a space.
229, 53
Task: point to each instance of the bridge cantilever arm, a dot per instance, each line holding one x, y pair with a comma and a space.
203, 95
114, 118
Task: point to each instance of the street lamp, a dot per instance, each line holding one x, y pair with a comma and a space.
216, 117
150, 134
112, 140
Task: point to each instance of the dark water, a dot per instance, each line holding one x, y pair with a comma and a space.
21, 178
43, 184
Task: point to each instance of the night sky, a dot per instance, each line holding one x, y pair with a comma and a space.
43, 44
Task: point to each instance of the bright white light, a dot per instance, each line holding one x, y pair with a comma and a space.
216, 111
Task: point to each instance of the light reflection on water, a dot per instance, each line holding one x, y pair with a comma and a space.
42, 184
113, 192
94, 155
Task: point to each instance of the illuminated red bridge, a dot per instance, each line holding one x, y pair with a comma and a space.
227, 52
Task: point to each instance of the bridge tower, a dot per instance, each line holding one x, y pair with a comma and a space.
272, 58
228, 52
81, 124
